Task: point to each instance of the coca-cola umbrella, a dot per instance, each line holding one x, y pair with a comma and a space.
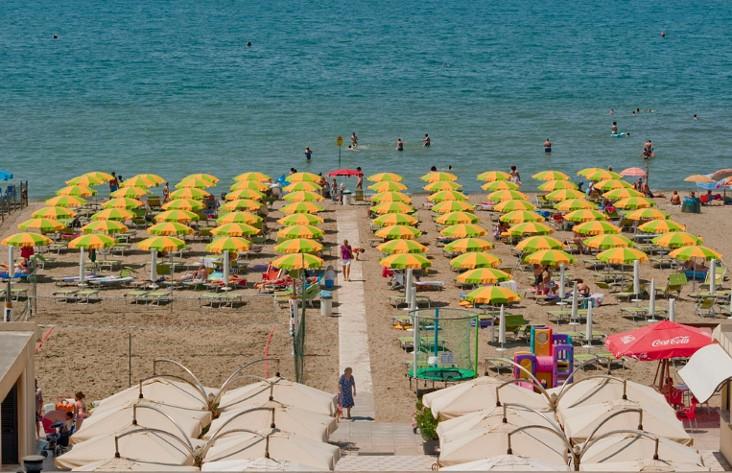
660, 341
345, 172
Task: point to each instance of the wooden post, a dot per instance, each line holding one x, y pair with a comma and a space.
129, 359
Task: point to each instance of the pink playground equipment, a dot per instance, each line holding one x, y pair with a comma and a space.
551, 359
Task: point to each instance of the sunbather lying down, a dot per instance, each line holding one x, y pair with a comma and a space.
201, 274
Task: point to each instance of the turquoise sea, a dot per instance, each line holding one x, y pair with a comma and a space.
171, 87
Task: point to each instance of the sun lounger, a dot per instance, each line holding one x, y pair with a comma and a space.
159, 296
136, 296
429, 285
221, 299
16, 293
421, 301
65, 295
112, 281
87, 296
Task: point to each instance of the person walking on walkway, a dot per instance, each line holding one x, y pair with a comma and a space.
346, 391
346, 257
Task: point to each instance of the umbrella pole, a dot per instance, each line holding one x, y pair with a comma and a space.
81, 266
636, 280
712, 276
588, 326
652, 302
8, 304
561, 283
226, 269
153, 265
573, 313
501, 329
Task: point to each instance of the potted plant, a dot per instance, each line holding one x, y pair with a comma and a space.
427, 426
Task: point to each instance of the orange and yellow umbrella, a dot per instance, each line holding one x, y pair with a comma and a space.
113, 214
253, 176
231, 244
394, 219
41, 225
595, 227
303, 196
511, 205
492, 186
303, 207
453, 206
26, 240
130, 192
536, 243
245, 194
520, 216
169, 229
206, 177
695, 252
405, 261
442, 186
393, 232
92, 241
235, 229
551, 186
503, 195
244, 204
302, 186
483, 276
123, 203
391, 207
467, 245
388, 186
297, 219
108, 227
646, 214
76, 191
54, 213
443, 196
300, 231
139, 180
182, 216
492, 295
401, 246
661, 226
634, 203
194, 182
454, 218
253, 185
161, 243
549, 258
240, 216
189, 193
606, 241
385, 176
564, 194
598, 174
89, 179
298, 245
391, 197
492, 176
622, 193
550, 175
463, 230
529, 228
622, 256
65, 201
475, 259
676, 240
303, 177
435, 176
574, 204
183, 204
584, 215
297, 262
610, 184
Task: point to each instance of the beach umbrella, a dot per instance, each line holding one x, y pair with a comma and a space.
129, 192
54, 213
398, 232
607, 241
401, 246
241, 216
202, 176
301, 186
463, 230
595, 227
492, 295
574, 204
549, 258
550, 176
123, 203
443, 196
466, 245
675, 240
600, 175
610, 184
506, 463
695, 252
253, 185
584, 215
385, 176
633, 172
194, 182
391, 207
646, 214
511, 205
298, 245
182, 216
292, 219
634, 203
529, 228
189, 193
661, 226
503, 195
108, 227
65, 201
520, 216
94, 241
564, 194
26, 240
391, 197
309, 207
300, 231
659, 341
248, 204
91, 178
157, 244
603, 389
76, 191
388, 186
536, 243
483, 276
41, 225
394, 219
474, 260
303, 177
298, 261
113, 214
169, 229
622, 256
250, 194
635, 452
435, 176
492, 176
405, 261
253, 176
139, 180
302, 196
442, 186
154, 178
183, 204
126, 464
235, 229
699, 179
622, 193
454, 218
551, 186
448, 206
493, 186
230, 244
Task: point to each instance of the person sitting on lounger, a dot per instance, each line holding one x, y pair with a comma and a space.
583, 289
201, 274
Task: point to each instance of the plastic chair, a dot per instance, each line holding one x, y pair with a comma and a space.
688, 413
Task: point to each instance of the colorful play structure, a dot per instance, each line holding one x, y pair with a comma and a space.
551, 359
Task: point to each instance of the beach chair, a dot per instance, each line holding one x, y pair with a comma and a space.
706, 306
674, 284
136, 296
87, 296
65, 295
719, 276
159, 296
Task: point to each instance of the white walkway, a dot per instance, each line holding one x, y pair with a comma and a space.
352, 329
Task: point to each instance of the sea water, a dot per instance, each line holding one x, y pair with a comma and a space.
171, 87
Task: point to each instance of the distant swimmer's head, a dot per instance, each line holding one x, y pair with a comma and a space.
433, 168
55, 36
249, 44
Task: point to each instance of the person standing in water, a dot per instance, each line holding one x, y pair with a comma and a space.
614, 128
308, 153
426, 141
399, 144
648, 150
354, 141
547, 146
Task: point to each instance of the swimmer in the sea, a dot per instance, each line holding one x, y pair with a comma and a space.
614, 128
696, 117
55, 36
648, 149
249, 44
433, 169
354, 140
547, 146
308, 153
399, 144
426, 141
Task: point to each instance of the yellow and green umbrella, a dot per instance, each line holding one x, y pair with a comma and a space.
564, 194
194, 182
584, 215
395, 219
401, 246
154, 178
695, 252
549, 258
26, 240
54, 213
606, 241
302, 207
443, 196
574, 204
161, 243
108, 227
113, 214
536, 243
302, 186
169, 229
253, 185
463, 230
139, 180
634, 203
529, 228
231, 244
475, 259
184, 204
246, 204
388, 186
300, 231
661, 226
453, 206
298, 245
622, 256
675, 240
588, 171
503, 195
646, 214
492, 295
303, 177
129, 192
393, 232
595, 227
242, 216
182, 216
89, 179
442, 186
405, 261
385, 176
92, 241
493, 186
68, 201
551, 186
76, 191
246, 194
42, 225
302, 196
189, 193
520, 216
492, 176
253, 176
598, 174
467, 245
298, 219
454, 218
391, 197
235, 229
620, 194
435, 176
206, 177
610, 184
391, 207
511, 205
483, 276
550, 175
123, 203
298, 262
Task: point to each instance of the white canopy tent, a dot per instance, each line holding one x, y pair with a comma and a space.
706, 371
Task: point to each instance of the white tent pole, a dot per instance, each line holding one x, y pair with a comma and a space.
81, 265
153, 265
226, 268
712, 276
561, 282
407, 285
501, 329
636, 279
672, 310
588, 326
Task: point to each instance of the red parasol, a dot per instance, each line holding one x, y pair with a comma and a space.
633, 172
345, 172
658, 341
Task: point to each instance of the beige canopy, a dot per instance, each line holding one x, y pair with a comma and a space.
257, 464
623, 448
123, 464
286, 392
160, 390
647, 464
603, 389
505, 463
